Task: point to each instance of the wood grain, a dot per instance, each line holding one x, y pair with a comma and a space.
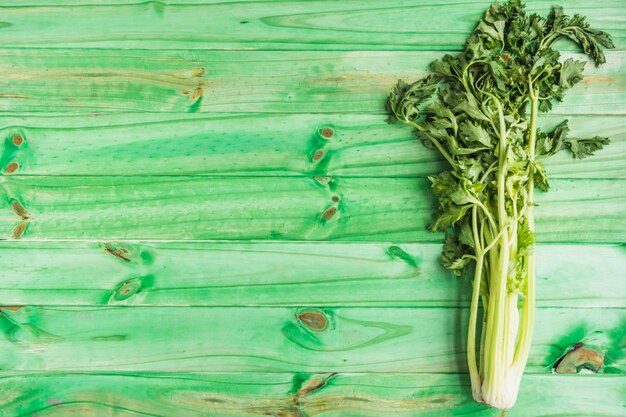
174, 206
280, 339
281, 273
359, 145
276, 208
184, 81
295, 394
276, 25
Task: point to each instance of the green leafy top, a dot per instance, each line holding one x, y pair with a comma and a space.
476, 108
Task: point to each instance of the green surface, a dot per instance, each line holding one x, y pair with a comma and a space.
163, 167
256, 274
360, 145
276, 25
186, 81
278, 339
296, 394
270, 208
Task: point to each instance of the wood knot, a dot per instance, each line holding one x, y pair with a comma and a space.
129, 253
119, 253
19, 209
12, 167
197, 94
318, 155
316, 383
17, 139
579, 359
324, 180
314, 319
335, 198
19, 229
329, 213
126, 289
397, 252
198, 72
327, 133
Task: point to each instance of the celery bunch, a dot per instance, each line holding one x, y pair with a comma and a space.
479, 109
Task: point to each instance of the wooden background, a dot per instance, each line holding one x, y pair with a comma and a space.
213, 218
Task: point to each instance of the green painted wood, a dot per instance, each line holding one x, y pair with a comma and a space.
278, 25
277, 339
276, 208
281, 273
297, 394
167, 68
185, 81
256, 145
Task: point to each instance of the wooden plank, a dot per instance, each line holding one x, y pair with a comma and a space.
244, 81
281, 273
277, 339
257, 145
297, 394
275, 25
276, 208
